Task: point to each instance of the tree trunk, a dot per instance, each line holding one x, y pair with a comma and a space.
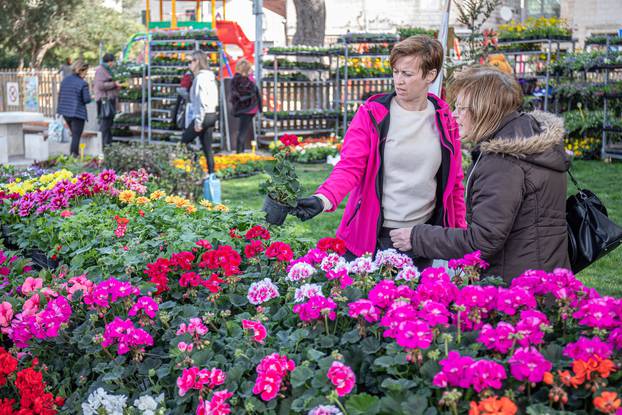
40, 53
310, 22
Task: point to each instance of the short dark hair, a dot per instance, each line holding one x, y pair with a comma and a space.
429, 50
108, 57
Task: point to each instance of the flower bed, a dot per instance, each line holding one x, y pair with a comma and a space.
228, 166
312, 150
163, 306
535, 28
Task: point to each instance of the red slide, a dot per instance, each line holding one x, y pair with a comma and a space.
230, 33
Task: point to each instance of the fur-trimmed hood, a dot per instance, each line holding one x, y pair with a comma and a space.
536, 137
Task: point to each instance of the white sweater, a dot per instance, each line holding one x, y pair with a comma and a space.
412, 157
203, 95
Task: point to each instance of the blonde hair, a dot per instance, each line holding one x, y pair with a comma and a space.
243, 67
79, 67
488, 95
202, 59
429, 51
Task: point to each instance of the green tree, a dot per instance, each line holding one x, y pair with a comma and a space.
91, 24
44, 32
32, 27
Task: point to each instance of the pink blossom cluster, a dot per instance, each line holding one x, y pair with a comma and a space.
407, 273
601, 313
325, 410
78, 284
195, 328
109, 291
195, 378
270, 374
31, 323
333, 262
586, 349
316, 308
218, 405
402, 324
146, 305
390, 258
474, 260
306, 291
262, 291
58, 198
464, 372
528, 364
300, 271
136, 180
561, 283
313, 256
258, 330
126, 336
342, 377
528, 331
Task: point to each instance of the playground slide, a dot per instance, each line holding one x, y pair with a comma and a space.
230, 33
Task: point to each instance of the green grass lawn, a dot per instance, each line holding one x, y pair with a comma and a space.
602, 178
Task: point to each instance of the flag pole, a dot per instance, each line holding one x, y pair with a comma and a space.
443, 32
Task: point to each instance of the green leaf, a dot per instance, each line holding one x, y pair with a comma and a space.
398, 385
542, 409
351, 336
300, 375
370, 345
384, 361
430, 369
415, 405
315, 355
363, 404
238, 300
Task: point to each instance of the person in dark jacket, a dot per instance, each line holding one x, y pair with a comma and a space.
106, 93
72, 99
515, 189
246, 101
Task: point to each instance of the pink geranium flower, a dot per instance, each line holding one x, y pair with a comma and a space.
31, 285
486, 374
499, 338
586, 349
528, 364
259, 331
414, 334
342, 377
6, 314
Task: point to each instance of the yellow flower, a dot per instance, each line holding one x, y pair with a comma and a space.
127, 196
221, 208
158, 194
206, 204
191, 209
142, 200
17, 180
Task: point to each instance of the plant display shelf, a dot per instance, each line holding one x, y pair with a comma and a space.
296, 120
161, 96
342, 98
552, 46
611, 147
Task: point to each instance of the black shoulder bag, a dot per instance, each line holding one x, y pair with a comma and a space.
591, 234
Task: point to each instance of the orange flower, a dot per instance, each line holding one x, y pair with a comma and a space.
605, 367
607, 402
493, 406
569, 380
583, 370
548, 378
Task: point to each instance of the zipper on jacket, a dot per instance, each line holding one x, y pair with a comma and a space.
379, 175
468, 182
449, 146
356, 210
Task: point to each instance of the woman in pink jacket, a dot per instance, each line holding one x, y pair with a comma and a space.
401, 161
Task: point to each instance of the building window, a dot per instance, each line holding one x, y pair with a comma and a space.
543, 8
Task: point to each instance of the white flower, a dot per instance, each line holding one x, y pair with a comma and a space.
333, 262
262, 291
307, 291
113, 404
408, 273
362, 265
393, 258
147, 405
300, 271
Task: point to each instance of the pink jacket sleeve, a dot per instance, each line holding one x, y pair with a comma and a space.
349, 171
458, 191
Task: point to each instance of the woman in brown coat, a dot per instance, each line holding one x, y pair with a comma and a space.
515, 188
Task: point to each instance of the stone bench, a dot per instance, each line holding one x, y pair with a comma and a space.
12, 143
38, 147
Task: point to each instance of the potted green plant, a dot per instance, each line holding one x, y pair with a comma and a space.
282, 186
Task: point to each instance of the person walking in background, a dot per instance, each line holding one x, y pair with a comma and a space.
246, 100
401, 161
106, 93
515, 189
72, 99
182, 115
65, 68
203, 103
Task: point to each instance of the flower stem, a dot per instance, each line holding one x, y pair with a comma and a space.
459, 339
343, 410
326, 324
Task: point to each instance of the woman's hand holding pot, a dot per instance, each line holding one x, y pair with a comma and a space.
308, 207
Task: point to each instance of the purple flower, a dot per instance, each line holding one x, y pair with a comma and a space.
584, 349
146, 304
528, 364
487, 374
499, 338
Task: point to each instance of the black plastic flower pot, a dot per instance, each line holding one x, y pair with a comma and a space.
275, 212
